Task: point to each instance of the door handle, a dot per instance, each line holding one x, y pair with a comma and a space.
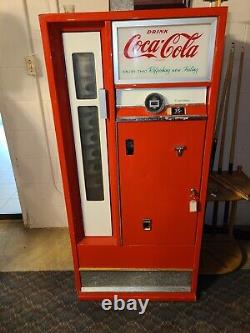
102, 103
180, 150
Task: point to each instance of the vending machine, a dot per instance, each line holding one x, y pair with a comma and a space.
134, 99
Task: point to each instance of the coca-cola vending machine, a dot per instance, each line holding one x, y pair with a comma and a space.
134, 99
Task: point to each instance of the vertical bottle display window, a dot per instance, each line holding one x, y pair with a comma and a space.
85, 86
84, 73
91, 152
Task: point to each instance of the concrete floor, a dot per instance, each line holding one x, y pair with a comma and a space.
45, 249
33, 249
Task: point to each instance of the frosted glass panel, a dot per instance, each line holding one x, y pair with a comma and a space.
84, 75
91, 151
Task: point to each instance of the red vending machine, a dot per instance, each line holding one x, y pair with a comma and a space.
134, 99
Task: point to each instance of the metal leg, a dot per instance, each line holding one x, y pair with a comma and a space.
232, 217
226, 213
215, 216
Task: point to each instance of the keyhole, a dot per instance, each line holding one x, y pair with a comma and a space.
180, 150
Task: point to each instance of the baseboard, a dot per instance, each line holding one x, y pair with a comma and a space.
11, 216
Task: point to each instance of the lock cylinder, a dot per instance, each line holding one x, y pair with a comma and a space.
155, 103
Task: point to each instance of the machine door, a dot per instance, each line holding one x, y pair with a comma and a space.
83, 59
160, 163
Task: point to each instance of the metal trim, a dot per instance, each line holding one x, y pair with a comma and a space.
166, 106
102, 103
160, 118
137, 289
181, 21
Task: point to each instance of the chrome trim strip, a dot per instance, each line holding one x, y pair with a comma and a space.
102, 103
160, 118
137, 289
121, 106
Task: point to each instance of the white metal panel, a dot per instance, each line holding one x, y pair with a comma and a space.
136, 97
96, 214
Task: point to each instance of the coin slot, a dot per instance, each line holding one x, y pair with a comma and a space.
154, 104
147, 225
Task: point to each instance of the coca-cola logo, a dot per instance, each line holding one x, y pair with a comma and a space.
182, 45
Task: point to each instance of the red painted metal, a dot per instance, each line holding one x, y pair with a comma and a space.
155, 182
181, 250
111, 129
139, 256
212, 106
159, 296
82, 19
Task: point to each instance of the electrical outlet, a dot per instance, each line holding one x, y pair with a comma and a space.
30, 65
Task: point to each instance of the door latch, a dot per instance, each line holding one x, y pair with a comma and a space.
180, 150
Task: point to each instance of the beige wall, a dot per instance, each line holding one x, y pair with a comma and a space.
26, 109
27, 113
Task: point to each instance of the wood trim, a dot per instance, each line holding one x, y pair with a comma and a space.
157, 4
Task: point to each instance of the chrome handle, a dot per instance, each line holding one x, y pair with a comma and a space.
180, 150
102, 104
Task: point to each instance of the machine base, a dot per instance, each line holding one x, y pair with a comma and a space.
152, 296
136, 282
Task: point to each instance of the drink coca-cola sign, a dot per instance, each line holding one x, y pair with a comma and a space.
163, 50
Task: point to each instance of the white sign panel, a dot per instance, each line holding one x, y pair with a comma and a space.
172, 96
171, 50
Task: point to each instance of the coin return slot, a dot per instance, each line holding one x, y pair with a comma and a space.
129, 147
154, 104
147, 225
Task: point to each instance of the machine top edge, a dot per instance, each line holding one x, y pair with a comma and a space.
133, 14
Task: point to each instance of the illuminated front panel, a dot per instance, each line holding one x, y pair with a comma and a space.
171, 50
